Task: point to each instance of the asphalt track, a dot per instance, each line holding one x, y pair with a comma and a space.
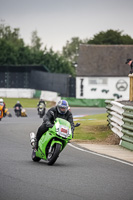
77, 175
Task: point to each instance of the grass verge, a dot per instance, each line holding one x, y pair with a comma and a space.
93, 128
26, 103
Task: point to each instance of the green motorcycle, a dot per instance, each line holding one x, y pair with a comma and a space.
52, 142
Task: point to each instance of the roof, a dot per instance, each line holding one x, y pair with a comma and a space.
104, 60
28, 68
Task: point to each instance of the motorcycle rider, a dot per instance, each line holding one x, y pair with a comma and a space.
4, 106
18, 104
60, 111
41, 101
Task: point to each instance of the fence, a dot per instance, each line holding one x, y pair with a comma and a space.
38, 78
120, 119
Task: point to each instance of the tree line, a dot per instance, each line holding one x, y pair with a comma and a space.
13, 50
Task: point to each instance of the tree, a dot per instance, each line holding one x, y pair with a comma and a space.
7, 53
6, 33
70, 51
9, 45
111, 37
13, 51
57, 63
35, 41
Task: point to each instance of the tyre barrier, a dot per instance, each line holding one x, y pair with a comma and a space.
120, 121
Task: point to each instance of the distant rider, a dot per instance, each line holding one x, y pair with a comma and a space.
18, 104
60, 111
41, 101
2, 103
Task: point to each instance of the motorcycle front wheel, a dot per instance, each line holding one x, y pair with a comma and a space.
53, 154
41, 115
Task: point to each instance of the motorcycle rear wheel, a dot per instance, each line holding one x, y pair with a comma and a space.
53, 154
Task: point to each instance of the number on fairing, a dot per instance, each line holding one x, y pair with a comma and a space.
64, 130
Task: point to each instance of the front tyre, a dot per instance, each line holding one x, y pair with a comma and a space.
53, 153
34, 158
41, 115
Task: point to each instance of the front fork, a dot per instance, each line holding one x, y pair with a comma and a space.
55, 142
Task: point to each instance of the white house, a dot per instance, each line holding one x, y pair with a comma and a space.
102, 72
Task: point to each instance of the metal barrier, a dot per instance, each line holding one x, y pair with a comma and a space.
120, 120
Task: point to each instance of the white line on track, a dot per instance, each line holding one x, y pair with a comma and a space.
98, 154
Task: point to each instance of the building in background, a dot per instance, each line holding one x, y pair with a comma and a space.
102, 72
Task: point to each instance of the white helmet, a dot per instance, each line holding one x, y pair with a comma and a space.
1, 101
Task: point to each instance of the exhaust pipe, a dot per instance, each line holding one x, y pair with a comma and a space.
32, 138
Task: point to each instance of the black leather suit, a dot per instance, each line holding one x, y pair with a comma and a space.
131, 71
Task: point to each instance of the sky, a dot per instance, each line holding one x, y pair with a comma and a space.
57, 21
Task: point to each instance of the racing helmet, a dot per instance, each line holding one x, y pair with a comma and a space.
1, 101
62, 106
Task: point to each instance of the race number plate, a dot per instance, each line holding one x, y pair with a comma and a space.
64, 130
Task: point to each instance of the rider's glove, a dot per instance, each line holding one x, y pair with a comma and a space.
49, 125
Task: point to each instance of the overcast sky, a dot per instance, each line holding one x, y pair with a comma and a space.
57, 21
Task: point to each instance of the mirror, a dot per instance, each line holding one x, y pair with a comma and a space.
76, 125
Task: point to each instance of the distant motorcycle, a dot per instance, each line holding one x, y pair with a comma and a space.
41, 110
1, 112
17, 111
20, 112
23, 113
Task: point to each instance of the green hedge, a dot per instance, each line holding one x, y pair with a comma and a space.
85, 102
